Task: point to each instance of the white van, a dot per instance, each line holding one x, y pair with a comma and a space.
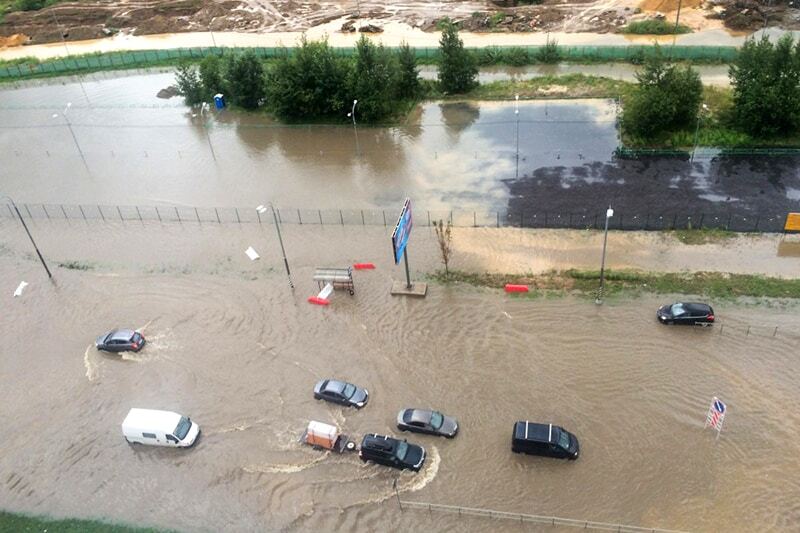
159, 428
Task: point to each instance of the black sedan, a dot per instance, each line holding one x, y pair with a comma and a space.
427, 421
341, 392
120, 340
686, 314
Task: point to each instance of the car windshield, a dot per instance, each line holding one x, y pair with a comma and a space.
402, 450
183, 427
678, 310
349, 390
437, 420
563, 440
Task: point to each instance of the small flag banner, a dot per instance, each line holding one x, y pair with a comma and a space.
716, 414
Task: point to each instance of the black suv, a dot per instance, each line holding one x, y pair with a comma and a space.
544, 439
391, 452
689, 314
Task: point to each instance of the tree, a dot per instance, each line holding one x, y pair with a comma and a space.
189, 85
667, 98
211, 77
444, 238
245, 77
457, 69
408, 77
309, 83
372, 80
766, 87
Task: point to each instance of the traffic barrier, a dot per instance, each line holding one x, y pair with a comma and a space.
516, 288
317, 300
364, 266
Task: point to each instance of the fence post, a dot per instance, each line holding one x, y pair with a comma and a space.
647, 222
341, 218
702, 217
43, 207
299, 217
177, 214
238, 219
498, 219
319, 212
758, 217
99, 209
362, 218
384, 217
429, 219
158, 214
774, 333
674, 221
138, 213
60, 205
195, 214
474, 220
748, 331
728, 225
82, 213
119, 212
216, 212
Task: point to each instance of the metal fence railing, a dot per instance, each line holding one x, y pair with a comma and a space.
529, 518
380, 217
129, 59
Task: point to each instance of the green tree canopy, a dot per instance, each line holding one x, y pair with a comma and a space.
188, 83
766, 87
372, 80
408, 77
457, 68
667, 98
211, 77
308, 83
245, 80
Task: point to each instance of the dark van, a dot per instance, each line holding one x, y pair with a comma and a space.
391, 452
544, 439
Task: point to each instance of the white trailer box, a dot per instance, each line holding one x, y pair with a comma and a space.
159, 428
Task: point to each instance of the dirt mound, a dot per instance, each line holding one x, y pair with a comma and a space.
667, 6
17, 39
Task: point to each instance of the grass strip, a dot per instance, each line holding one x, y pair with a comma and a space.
717, 285
20, 522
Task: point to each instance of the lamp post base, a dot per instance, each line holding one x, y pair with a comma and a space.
400, 288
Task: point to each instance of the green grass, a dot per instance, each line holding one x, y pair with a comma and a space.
20, 523
76, 265
654, 27
586, 282
568, 86
703, 235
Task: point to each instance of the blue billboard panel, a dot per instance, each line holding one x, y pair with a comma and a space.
401, 231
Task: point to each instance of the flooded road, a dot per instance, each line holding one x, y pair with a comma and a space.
231, 346
120, 144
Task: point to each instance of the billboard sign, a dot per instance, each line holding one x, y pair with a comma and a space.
401, 231
792, 222
716, 414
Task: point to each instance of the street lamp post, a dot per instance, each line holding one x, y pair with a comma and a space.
22, 220
261, 209
74, 138
697, 130
64, 42
599, 299
352, 114
516, 112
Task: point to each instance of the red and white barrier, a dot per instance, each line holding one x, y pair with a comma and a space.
516, 288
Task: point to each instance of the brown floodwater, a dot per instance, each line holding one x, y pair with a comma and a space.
233, 347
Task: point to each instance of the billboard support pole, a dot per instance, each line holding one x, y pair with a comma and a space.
408, 276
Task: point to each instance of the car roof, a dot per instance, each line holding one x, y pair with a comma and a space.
525, 430
152, 419
420, 415
334, 385
122, 334
696, 306
381, 442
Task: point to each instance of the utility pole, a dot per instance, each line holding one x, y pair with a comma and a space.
261, 209
516, 112
599, 299
74, 138
22, 221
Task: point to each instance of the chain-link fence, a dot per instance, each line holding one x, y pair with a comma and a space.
381, 217
142, 58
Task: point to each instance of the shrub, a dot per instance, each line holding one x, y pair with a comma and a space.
211, 77
408, 76
457, 69
667, 98
491, 55
654, 27
372, 80
189, 85
517, 57
766, 87
245, 79
549, 53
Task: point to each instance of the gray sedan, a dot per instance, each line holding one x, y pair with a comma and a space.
120, 340
341, 392
427, 421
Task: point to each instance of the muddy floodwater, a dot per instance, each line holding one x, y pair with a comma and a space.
118, 143
231, 345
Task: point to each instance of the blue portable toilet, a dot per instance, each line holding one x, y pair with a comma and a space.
219, 101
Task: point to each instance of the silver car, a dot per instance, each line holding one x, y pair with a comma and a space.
427, 421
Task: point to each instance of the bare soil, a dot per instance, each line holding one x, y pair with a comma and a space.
100, 18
